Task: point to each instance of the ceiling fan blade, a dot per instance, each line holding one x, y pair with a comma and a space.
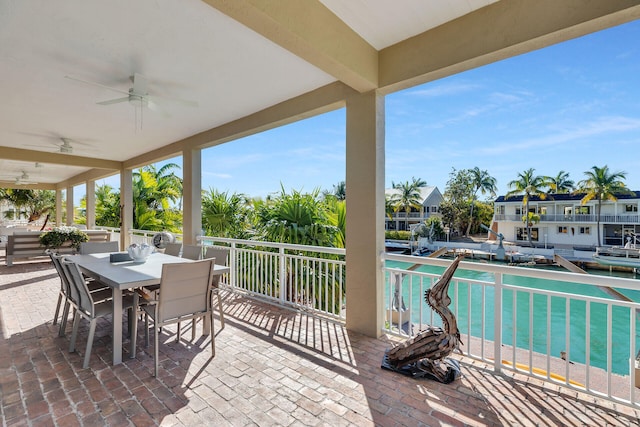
157, 108
113, 101
97, 84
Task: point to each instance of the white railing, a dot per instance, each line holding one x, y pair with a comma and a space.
588, 343
114, 232
146, 236
304, 277
596, 334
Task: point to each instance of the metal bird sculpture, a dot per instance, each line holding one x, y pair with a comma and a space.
425, 353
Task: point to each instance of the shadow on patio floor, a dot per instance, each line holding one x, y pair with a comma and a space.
272, 366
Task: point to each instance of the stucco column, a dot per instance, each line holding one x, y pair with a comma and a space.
365, 213
58, 207
191, 195
69, 200
91, 204
126, 206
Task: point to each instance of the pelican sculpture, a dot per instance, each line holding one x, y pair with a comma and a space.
425, 353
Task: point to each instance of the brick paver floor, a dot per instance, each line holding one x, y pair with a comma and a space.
272, 367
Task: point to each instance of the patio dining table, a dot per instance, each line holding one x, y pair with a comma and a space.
120, 276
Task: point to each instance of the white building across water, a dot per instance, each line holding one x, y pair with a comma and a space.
561, 219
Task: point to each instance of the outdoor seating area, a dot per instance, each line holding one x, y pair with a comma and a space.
272, 366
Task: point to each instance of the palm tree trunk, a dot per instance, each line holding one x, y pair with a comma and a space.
526, 218
470, 218
598, 220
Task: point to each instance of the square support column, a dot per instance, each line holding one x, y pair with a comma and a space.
91, 204
365, 213
58, 207
69, 200
126, 207
191, 195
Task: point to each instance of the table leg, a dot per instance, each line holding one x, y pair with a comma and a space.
117, 326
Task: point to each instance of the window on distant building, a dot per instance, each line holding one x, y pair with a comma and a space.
585, 230
583, 210
518, 210
631, 208
521, 234
500, 210
434, 209
562, 230
543, 210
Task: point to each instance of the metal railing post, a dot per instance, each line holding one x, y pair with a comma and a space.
497, 324
283, 276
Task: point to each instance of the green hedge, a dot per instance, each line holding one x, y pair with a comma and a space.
397, 235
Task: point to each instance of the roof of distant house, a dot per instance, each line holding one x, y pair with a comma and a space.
561, 197
425, 192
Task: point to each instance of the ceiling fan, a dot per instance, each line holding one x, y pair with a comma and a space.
64, 145
21, 179
137, 95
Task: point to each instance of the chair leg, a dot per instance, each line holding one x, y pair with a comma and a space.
74, 333
65, 317
178, 334
193, 330
146, 329
87, 355
220, 310
55, 316
133, 332
213, 337
155, 349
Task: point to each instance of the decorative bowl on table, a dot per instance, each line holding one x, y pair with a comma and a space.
139, 252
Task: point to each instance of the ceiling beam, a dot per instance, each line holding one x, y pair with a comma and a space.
495, 32
20, 154
13, 185
319, 101
308, 29
82, 178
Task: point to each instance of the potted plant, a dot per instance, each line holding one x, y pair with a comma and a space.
60, 236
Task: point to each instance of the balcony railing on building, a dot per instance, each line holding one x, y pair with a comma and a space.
614, 219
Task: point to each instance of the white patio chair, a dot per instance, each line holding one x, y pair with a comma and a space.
173, 249
193, 252
85, 306
219, 256
183, 295
99, 290
98, 247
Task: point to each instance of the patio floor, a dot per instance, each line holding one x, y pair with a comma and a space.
272, 366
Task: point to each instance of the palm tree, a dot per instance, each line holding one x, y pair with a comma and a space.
107, 206
224, 214
560, 184
153, 192
483, 182
31, 203
407, 197
339, 191
529, 185
602, 185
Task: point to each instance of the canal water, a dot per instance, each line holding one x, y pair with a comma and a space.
521, 306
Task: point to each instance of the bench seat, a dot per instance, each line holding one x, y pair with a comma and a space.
26, 244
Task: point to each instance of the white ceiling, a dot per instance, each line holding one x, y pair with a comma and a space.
187, 50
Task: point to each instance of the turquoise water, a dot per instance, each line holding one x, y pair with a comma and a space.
471, 294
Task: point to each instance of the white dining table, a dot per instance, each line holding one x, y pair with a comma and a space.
125, 275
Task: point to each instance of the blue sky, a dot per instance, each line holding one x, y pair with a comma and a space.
566, 107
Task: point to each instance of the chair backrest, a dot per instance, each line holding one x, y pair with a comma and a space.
80, 294
98, 247
184, 289
192, 252
220, 254
56, 260
173, 249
